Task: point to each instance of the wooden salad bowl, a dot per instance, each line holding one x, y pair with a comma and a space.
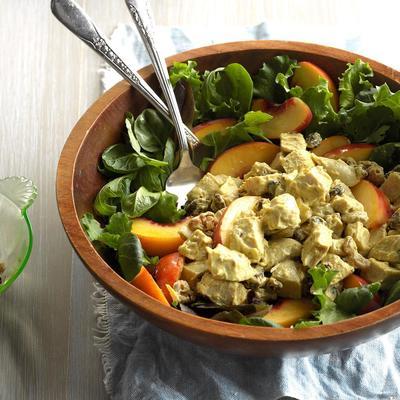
78, 182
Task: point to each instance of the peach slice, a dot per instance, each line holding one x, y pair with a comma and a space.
217, 125
330, 143
158, 239
237, 207
238, 160
357, 151
308, 74
289, 311
375, 203
291, 116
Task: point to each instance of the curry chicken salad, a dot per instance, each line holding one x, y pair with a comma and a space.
296, 221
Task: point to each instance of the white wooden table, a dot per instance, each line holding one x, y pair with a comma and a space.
48, 79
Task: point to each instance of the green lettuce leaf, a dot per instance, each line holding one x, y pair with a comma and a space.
130, 255
271, 81
387, 155
353, 81
376, 121
187, 72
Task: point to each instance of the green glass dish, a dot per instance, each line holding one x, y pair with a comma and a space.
16, 238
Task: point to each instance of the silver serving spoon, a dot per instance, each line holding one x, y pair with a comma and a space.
186, 175
71, 15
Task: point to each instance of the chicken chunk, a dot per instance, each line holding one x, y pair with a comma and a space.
334, 222
376, 235
229, 265
259, 169
297, 160
223, 293
317, 245
291, 274
281, 213
381, 271
360, 234
195, 248
247, 237
350, 209
226, 193
281, 249
387, 249
193, 271
183, 292
343, 269
338, 169
292, 142
261, 185
312, 185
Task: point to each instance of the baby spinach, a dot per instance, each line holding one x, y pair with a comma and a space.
130, 255
151, 130
271, 81
394, 294
165, 210
353, 300
120, 159
109, 197
151, 178
129, 121
354, 81
226, 92
138, 203
258, 321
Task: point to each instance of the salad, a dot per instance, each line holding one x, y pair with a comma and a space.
296, 221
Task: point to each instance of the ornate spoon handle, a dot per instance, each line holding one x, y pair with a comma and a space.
77, 21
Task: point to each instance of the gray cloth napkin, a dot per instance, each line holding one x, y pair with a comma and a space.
142, 362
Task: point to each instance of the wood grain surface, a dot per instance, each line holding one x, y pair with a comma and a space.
48, 79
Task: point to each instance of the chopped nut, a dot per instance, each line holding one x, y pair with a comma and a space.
218, 202
184, 293
313, 140
375, 173
2, 267
205, 222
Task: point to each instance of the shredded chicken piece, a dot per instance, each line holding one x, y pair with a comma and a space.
184, 293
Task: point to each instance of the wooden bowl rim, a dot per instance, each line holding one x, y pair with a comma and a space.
141, 301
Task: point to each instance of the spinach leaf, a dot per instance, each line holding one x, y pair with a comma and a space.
151, 178
325, 120
169, 154
271, 81
151, 130
165, 210
394, 294
136, 145
109, 197
130, 255
120, 159
375, 121
258, 321
226, 92
353, 81
138, 203
353, 300
239, 133
233, 316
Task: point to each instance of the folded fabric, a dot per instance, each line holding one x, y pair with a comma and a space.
142, 362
